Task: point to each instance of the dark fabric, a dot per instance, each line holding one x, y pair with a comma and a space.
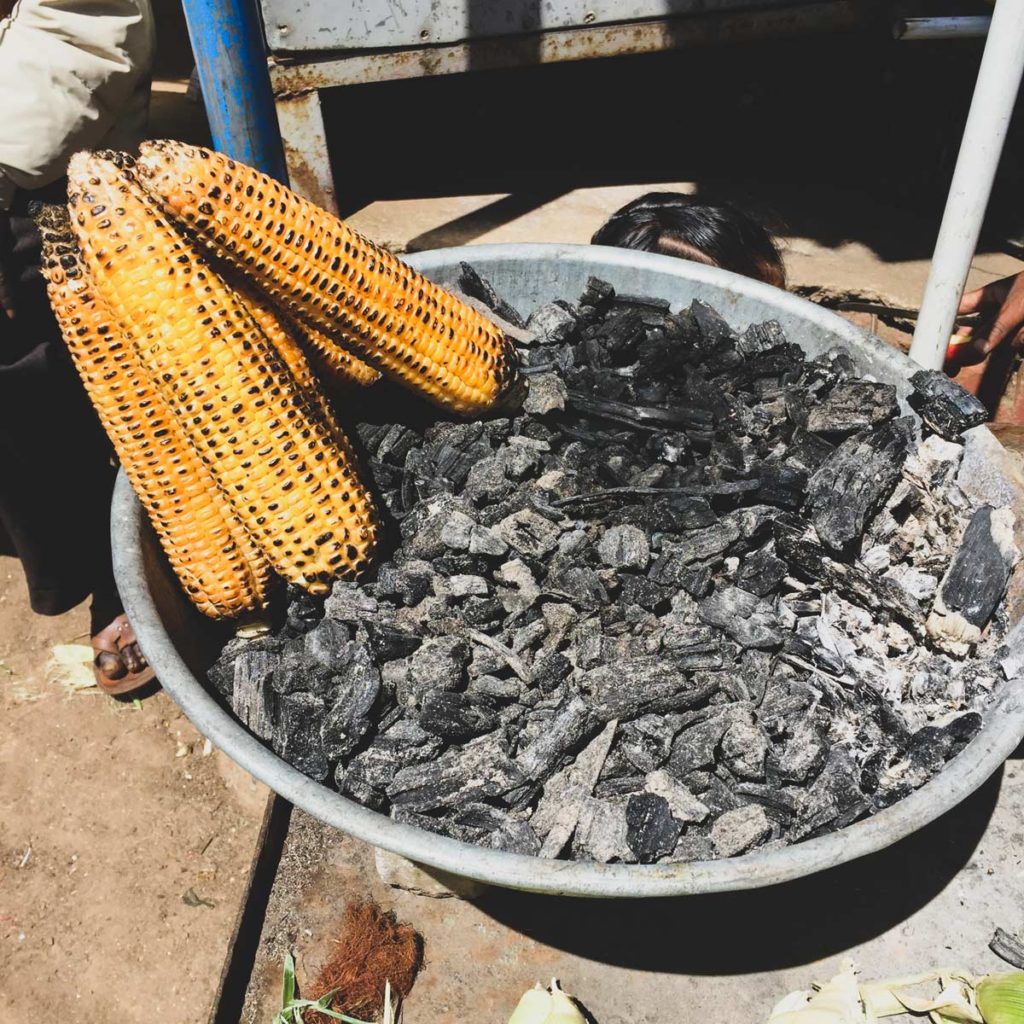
56, 468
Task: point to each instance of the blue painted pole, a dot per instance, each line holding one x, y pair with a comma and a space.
231, 58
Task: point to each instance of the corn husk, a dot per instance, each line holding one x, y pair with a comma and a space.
1000, 998
543, 1006
835, 1002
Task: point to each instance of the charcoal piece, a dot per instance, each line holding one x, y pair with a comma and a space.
304, 611
601, 832
713, 328
663, 515
505, 656
806, 452
560, 803
697, 746
722, 796
296, 672
521, 462
1008, 947
456, 531
456, 717
803, 652
737, 831
853, 405
328, 641
406, 584
643, 417
745, 617
547, 394
696, 582
497, 691
356, 690
642, 591
756, 667
572, 726
627, 687
761, 573
781, 804
481, 770
646, 742
479, 288
552, 323
764, 337
944, 405
835, 798
296, 736
441, 825
624, 785
624, 547
483, 541
387, 642
651, 831
529, 533
744, 747
800, 755
252, 697
438, 664
581, 587
486, 482
463, 585
483, 612
682, 804
693, 845
517, 588
372, 770
348, 602
515, 836
597, 294
976, 578
876, 593
550, 671
853, 483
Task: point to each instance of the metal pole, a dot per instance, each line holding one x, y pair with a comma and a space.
227, 40
994, 95
910, 29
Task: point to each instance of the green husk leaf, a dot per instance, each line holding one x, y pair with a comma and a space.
1001, 998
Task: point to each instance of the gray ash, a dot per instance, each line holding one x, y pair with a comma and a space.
701, 596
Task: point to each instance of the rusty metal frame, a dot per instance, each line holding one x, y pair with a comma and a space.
297, 83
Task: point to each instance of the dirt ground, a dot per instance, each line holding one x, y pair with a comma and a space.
124, 845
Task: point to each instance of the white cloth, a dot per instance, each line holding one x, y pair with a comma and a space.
74, 74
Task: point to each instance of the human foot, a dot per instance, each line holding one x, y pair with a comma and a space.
120, 666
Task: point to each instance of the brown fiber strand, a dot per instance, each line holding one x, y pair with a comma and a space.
373, 949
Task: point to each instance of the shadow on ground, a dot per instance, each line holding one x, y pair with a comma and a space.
766, 929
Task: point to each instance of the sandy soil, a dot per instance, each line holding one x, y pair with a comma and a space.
124, 846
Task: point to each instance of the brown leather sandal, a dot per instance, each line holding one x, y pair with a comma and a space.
120, 666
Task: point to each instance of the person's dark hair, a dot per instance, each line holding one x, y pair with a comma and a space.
675, 224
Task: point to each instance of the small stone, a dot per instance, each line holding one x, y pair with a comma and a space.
739, 830
484, 541
685, 807
624, 547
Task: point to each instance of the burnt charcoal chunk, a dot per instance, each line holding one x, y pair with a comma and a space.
552, 323
806, 452
764, 337
944, 405
529, 533
626, 687
551, 671
780, 485
455, 717
853, 483
438, 664
388, 643
977, 577
744, 747
327, 642
296, 671
642, 591
800, 755
745, 617
835, 799
601, 834
252, 697
582, 588
876, 593
685, 807
571, 727
624, 547
853, 405
372, 770
348, 602
296, 736
761, 573
646, 742
651, 831
666, 515
598, 294
356, 691
714, 330
481, 770
739, 830
515, 836
696, 746
479, 288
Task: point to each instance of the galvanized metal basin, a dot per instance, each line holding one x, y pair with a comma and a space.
180, 645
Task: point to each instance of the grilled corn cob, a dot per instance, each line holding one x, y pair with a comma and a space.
221, 569
291, 482
325, 274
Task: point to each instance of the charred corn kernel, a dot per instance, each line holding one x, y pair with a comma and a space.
290, 480
221, 569
288, 339
322, 272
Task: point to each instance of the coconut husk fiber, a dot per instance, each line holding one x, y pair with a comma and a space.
373, 949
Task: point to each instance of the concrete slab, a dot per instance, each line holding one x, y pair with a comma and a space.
933, 899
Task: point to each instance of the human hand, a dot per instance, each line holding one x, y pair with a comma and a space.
1001, 305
